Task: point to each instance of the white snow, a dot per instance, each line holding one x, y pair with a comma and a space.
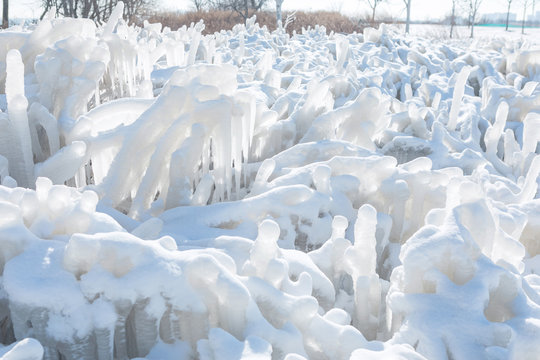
250, 194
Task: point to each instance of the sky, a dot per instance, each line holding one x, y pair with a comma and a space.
420, 9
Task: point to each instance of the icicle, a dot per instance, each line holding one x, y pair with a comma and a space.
493, 134
529, 88
193, 47
399, 193
342, 53
183, 165
39, 115
21, 161
210, 53
203, 191
459, 90
171, 54
4, 167
131, 162
511, 147
113, 19
530, 186
157, 168
263, 174
241, 49
361, 262
531, 133
14, 76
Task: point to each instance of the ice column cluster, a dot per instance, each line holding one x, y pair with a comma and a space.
258, 195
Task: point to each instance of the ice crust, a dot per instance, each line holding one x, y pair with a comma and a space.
250, 194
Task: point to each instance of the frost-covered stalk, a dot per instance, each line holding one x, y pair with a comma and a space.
494, 133
531, 133
401, 194
459, 90
192, 54
61, 166
21, 159
361, 260
492, 137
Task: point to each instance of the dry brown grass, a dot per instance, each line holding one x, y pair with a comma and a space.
216, 21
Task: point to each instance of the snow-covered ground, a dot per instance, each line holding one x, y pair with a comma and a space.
259, 196
482, 33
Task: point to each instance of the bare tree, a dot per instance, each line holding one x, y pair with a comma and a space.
241, 7
134, 7
5, 14
408, 7
526, 4
509, 2
199, 4
98, 10
278, 12
373, 6
473, 6
453, 17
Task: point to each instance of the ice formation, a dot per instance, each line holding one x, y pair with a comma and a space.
251, 194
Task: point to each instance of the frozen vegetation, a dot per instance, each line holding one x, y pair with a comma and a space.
169, 195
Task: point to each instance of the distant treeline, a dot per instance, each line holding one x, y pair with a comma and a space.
217, 20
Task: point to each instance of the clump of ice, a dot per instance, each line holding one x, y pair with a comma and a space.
250, 194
